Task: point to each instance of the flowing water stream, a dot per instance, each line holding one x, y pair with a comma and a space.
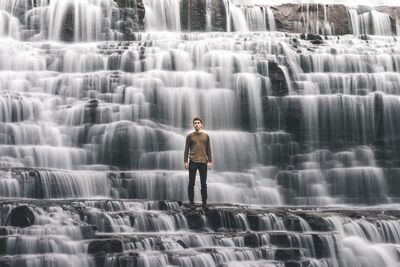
97, 96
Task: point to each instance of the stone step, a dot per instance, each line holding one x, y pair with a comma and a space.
154, 216
223, 234
313, 187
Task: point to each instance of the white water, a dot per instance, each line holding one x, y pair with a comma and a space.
86, 115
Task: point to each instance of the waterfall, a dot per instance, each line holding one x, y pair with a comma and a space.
271, 19
208, 15
301, 102
238, 19
372, 22
162, 15
10, 25
311, 20
245, 18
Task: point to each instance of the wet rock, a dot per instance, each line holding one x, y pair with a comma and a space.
392, 178
280, 239
321, 246
193, 15
379, 121
290, 168
316, 222
287, 254
3, 245
252, 240
92, 103
290, 18
295, 264
67, 29
293, 224
195, 221
221, 220
4, 231
183, 244
114, 62
21, 216
141, 13
88, 231
168, 205
6, 262
125, 3
271, 106
278, 80
122, 260
313, 38
218, 15
105, 246
254, 221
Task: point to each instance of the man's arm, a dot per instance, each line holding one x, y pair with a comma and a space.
208, 150
186, 153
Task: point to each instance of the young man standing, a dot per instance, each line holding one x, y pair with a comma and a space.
198, 142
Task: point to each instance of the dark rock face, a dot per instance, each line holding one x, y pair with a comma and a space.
125, 3
252, 240
141, 13
321, 246
6, 262
254, 221
193, 15
280, 239
313, 38
22, 216
287, 254
127, 22
105, 246
317, 222
67, 31
291, 16
293, 223
195, 221
218, 15
183, 244
92, 103
278, 80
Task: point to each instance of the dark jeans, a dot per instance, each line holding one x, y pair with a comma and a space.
193, 167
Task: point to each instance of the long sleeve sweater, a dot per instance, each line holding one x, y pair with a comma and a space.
199, 146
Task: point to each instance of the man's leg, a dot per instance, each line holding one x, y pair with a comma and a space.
192, 177
203, 180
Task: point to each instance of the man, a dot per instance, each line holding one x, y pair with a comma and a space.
198, 142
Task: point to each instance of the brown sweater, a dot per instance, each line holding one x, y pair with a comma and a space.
200, 147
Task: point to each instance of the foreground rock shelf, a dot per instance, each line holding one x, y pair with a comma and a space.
106, 232
97, 96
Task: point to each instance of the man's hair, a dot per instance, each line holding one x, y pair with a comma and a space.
197, 119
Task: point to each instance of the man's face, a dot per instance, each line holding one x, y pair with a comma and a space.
197, 125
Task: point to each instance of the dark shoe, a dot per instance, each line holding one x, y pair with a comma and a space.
205, 207
192, 205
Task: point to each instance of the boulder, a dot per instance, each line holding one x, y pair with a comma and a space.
21, 216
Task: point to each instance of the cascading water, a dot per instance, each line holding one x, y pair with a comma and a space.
162, 15
248, 18
97, 96
372, 22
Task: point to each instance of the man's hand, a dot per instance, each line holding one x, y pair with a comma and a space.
186, 165
209, 165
